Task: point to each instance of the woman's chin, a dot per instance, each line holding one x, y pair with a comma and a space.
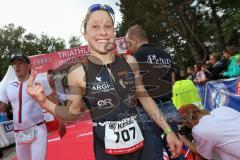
103, 49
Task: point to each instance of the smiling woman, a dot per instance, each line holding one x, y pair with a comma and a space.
110, 96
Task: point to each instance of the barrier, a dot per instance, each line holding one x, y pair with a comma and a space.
6, 134
224, 92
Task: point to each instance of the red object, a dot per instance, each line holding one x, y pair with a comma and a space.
52, 125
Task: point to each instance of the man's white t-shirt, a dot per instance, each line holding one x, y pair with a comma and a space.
219, 133
26, 111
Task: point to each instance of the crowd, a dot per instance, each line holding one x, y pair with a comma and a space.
219, 66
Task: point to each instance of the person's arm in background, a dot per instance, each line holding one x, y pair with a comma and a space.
61, 128
152, 109
233, 69
192, 147
189, 144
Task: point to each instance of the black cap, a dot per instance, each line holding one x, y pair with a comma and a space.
19, 56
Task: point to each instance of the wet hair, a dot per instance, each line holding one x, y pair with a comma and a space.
137, 31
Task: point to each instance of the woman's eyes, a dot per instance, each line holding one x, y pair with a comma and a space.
108, 26
95, 26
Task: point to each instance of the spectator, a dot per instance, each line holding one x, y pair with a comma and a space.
200, 75
28, 121
232, 54
217, 132
204, 69
191, 73
217, 66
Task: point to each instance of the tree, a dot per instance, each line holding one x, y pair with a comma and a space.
188, 29
15, 39
75, 41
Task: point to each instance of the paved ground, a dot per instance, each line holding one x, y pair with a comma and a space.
9, 152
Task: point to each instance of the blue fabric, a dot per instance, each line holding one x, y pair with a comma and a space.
152, 132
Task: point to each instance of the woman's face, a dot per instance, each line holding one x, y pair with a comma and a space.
196, 68
100, 32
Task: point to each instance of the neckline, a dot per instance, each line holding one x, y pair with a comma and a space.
97, 61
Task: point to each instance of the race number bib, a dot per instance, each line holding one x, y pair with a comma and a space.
26, 136
122, 137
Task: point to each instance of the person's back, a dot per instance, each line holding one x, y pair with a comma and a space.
216, 69
217, 66
219, 132
156, 68
233, 66
185, 92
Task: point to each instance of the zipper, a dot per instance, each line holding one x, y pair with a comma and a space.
114, 82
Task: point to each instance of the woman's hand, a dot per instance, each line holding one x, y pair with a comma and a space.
34, 89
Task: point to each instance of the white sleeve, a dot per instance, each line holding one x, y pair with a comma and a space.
205, 146
3, 95
47, 88
45, 84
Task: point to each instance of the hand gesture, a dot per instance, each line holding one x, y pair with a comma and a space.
175, 145
34, 89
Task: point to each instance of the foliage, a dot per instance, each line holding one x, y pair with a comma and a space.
189, 29
15, 39
75, 41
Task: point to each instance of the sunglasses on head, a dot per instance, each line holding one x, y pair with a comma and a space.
97, 7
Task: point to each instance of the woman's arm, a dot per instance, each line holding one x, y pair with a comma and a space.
152, 109
67, 113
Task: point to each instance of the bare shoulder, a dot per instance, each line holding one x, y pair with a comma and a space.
132, 62
76, 75
130, 59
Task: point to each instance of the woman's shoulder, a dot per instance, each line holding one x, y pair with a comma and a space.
130, 59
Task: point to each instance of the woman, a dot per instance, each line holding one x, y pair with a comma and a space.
109, 85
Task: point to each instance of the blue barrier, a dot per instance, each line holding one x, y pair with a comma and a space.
225, 92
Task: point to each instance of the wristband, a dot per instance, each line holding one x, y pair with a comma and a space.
167, 130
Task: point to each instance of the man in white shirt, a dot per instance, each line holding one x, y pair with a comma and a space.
217, 132
29, 126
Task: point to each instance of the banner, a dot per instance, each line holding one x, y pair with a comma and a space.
68, 57
201, 91
222, 93
44, 62
6, 134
